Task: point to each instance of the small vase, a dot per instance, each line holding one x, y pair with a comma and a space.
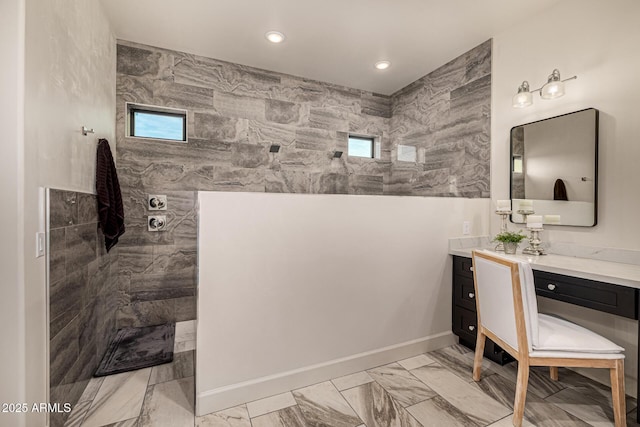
510, 247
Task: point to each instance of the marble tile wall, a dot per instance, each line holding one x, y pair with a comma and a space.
446, 116
235, 113
83, 295
517, 179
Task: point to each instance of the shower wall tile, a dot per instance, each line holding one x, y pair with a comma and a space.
83, 294
235, 113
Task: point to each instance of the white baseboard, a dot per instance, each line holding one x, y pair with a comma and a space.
209, 401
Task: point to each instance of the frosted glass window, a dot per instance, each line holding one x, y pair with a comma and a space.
407, 153
158, 124
361, 146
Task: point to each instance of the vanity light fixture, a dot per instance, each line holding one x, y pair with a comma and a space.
382, 65
275, 36
524, 97
554, 88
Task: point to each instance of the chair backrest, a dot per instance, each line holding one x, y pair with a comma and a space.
506, 299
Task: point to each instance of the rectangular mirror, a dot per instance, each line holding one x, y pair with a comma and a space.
554, 167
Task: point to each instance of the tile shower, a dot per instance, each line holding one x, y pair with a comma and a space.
235, 113
83, 295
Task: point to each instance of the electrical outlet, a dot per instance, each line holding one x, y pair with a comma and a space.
157, 202
156, 222
466, 228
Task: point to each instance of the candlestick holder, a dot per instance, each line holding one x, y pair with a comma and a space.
534, 243
503, 227
525, 213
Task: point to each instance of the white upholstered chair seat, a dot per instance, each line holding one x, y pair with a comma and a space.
560, 336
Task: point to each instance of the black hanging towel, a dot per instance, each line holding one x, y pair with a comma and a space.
110, 208
559, 190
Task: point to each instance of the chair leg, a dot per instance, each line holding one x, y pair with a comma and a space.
521, 392
618, 393
553, 372
477, 361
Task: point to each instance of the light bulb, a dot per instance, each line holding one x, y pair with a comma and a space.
382, 65
275, 37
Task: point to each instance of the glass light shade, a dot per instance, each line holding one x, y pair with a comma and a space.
552, 90
522, 99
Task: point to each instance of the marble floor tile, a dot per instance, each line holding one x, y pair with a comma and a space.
589, 387
270, 404
508, 422
475, 404
459, 362
91, 390
540, 382
376, 407
119, 398
186, 330
401, 385
181, 367
536, 410
77, 414
237, 416
133, 422
353, 380
287, 417
169, 404
180, 346
323, 405
416, 362
596, 413
438, 412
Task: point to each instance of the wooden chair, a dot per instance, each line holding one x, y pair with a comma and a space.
508, 314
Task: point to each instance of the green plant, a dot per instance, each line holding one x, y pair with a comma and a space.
509, 237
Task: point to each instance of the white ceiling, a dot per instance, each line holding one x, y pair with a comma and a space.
336, 41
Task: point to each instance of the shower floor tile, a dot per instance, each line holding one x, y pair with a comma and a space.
413, 392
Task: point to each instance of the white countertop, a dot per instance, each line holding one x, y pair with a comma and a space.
603, 271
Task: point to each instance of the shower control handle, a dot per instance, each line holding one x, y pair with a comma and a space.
157, 223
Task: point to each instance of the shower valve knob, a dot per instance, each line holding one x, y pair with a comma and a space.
157, 223
157, 202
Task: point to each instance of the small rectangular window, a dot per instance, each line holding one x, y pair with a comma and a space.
157, 123
361, 146
407, 153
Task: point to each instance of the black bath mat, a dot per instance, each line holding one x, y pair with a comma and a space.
137, 348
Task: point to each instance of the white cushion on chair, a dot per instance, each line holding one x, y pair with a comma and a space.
559, 335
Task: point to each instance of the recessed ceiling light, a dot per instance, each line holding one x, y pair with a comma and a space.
383, 65
275, 36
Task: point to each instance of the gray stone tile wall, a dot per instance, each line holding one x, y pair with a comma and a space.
235, 113
83, 295
446, 116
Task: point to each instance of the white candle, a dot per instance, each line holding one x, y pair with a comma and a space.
503, 205
552, 219
534, 221
526, 205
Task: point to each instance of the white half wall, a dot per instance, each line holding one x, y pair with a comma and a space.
296, 289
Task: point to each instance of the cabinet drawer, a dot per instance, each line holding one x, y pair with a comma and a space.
600, 296
462, 266
464, 293
464, 323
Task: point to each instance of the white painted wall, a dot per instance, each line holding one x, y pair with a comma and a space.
599, 42
596, 41
69, 82
290, 285
12, 324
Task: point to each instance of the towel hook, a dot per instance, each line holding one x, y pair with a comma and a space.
86, 130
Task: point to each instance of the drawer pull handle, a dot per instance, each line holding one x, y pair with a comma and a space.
472, 328
470, 268
551, 286
472, 295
